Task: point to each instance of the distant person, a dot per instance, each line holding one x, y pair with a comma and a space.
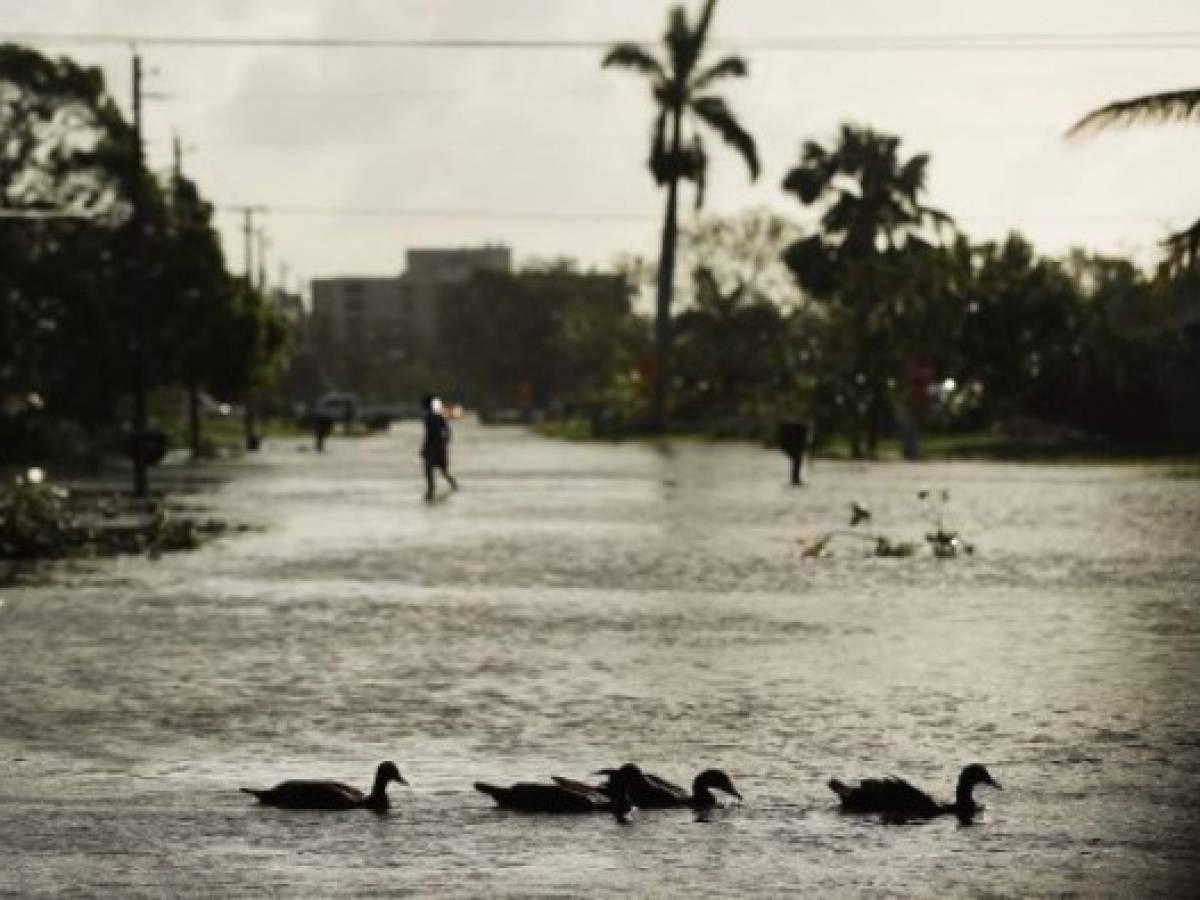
794, 439
322, 427
435, 450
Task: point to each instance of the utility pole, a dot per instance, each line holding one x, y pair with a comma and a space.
264, 243
139, 440
193, 379
248, 212
176, 157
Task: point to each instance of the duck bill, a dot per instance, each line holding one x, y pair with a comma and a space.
400, 780
994, 783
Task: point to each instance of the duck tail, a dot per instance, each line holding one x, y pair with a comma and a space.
252, 792
838, 788
496, 793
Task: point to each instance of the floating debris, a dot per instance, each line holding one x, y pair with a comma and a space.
947, 544
943, 542
816, 549
887, 547
858, 513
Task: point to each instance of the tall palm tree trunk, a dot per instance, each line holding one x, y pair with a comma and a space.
662, 320
666, 285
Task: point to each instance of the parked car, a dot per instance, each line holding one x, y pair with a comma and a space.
341, 406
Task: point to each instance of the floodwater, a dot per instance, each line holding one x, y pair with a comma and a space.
577, 606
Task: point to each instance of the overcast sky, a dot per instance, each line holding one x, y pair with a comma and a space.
541, 150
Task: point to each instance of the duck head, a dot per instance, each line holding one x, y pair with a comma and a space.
714, 779
964, 802
387, 772
976, 774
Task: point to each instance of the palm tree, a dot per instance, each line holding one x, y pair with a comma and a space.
1168, 106
872, 197
680, 86
857, 261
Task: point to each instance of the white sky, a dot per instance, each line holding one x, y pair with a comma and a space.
544, 151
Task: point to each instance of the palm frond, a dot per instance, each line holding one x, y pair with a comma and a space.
679, 43
633, 56
812, 177
729, 67
939, 217
701, 33
1182, 248
716, 114
806, 182
813, 154
911, 177
1170, 106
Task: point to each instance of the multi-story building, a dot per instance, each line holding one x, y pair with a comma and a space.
397, 312
366, 328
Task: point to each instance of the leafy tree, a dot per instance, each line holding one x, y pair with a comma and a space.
1020, 330
66, 154
97, 260
739, 352
729, 352
859, 263
681, 86
535, 338
198, 304
744, 252
254, 337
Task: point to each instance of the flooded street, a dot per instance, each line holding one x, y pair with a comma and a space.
579, 605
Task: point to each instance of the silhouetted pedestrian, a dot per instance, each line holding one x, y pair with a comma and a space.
794, 439
435, 450
322, 426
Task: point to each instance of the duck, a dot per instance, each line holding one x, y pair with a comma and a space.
567, 796
654, 792
858, 513
896, 798
331, 794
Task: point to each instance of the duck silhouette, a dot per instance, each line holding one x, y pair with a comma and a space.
330, 794
567, 796
896, 798
654, 792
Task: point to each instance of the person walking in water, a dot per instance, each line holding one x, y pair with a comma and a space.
435, 450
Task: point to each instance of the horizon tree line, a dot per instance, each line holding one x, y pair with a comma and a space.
877, 242
83, 279
886, 286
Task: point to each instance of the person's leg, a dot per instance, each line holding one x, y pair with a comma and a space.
428, 480
450, 479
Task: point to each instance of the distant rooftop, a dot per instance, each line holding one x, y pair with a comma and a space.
457, 264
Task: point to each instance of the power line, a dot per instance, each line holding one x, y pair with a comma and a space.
399, 213
616, 216
988, 41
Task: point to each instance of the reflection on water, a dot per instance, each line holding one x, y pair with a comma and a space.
577, 606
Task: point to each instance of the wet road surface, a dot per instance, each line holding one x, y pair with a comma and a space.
579, 605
